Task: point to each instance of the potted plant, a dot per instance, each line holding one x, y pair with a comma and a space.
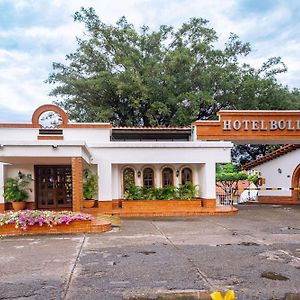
16, 190
90, 188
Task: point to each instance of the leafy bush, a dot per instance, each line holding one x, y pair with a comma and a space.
16, 189
186, 191
90, 184
25, 218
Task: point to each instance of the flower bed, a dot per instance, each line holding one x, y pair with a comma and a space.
28, 222
22, 219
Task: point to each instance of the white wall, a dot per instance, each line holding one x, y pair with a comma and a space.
157, 168
89, 135
18, 134
201, 172
159, 152
202, 156
107, 157
269, 170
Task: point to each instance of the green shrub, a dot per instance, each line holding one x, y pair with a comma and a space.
185, 191
16, 189
90, 184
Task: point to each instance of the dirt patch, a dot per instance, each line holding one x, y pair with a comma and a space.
248, 244
182, 295
274, 276
147, 252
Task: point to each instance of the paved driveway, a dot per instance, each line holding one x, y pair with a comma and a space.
151, 256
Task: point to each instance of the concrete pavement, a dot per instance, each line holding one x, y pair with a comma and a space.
148, 257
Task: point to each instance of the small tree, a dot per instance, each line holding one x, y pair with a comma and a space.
228, 177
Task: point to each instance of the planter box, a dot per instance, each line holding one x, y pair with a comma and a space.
159, 205
209, 203
73, 227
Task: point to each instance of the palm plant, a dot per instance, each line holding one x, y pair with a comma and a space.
16, 189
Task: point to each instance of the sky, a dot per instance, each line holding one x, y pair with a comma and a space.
36, 33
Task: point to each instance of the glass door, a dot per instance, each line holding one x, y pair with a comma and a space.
53, 186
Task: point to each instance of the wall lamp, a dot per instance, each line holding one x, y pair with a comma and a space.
177, 173
139, 173
279, 170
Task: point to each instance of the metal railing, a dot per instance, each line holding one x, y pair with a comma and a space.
231, 196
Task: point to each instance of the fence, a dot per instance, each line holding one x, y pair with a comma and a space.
230, 195
226, 196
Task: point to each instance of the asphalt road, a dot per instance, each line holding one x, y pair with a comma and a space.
248, 253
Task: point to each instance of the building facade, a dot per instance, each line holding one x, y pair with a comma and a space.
280, 173
57, 157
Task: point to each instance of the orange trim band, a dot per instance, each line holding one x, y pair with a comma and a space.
50, 137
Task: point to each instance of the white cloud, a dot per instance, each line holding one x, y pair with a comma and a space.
24, 67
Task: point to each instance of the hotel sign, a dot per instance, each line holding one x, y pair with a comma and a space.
240, 126
261, 125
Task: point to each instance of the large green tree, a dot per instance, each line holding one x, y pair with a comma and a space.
170, 76
164, 77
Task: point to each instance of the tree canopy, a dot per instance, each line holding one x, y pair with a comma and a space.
170, 76
228, 176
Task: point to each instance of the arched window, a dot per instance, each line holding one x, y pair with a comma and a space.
148, 178
128, 178
167, 177
186, 175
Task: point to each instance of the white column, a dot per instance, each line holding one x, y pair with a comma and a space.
116, 182
1, 183
196, 179
157, 176
139, 180
176, 178
104, 181
207, 181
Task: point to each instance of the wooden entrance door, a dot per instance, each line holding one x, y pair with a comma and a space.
53, 186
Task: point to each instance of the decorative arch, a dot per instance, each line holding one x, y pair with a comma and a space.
167, 176
148, 176
128, 173
296, 183
184, 176
49, 107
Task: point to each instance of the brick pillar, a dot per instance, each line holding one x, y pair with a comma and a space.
77, 183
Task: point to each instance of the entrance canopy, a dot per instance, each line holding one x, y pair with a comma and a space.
252, 127
43, 152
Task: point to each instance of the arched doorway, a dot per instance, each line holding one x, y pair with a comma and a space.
128, 178
167, 177
148, 178
296, 184
186, 175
